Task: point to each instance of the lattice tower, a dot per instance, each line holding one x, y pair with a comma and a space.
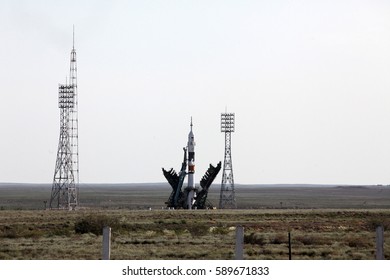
64, 194
227, 195
74, 121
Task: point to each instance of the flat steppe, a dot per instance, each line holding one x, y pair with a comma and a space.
145, 196
326, 222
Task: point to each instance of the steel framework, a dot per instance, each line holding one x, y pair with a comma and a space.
74, 120
227, 195
64, 193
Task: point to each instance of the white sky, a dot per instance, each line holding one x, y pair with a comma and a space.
309, 82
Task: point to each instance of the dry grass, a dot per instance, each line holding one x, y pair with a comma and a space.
163, 234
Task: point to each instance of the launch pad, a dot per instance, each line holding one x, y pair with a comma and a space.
191, 197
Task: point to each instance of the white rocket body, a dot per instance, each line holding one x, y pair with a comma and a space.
191, 169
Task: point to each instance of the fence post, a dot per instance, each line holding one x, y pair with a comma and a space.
106, 243
239, 253
379, 243
289, 245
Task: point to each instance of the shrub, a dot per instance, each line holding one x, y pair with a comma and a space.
357, 242
255, 238
10, 233
326, 253
305, 239
309, 253
19, 231
220, 230
95, 224
313, 239
197, 230
279, 239
373, 223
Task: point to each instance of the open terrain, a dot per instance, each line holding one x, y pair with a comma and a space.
144, 196
181, 234
326, 222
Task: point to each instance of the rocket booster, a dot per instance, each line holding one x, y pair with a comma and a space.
191, 168
191, 151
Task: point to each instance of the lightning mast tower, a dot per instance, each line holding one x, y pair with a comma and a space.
74, 120
227, 197
64, 193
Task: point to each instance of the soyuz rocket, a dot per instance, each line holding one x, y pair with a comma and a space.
191, 169
191, 197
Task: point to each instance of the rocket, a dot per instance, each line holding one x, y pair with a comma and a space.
191, 169
191, 197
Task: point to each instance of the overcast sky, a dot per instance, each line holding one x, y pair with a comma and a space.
309, 82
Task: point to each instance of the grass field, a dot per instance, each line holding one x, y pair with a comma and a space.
180, 234
325, 223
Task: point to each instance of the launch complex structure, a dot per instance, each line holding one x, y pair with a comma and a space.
65, 187
64, 192
192, 197
227, 195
